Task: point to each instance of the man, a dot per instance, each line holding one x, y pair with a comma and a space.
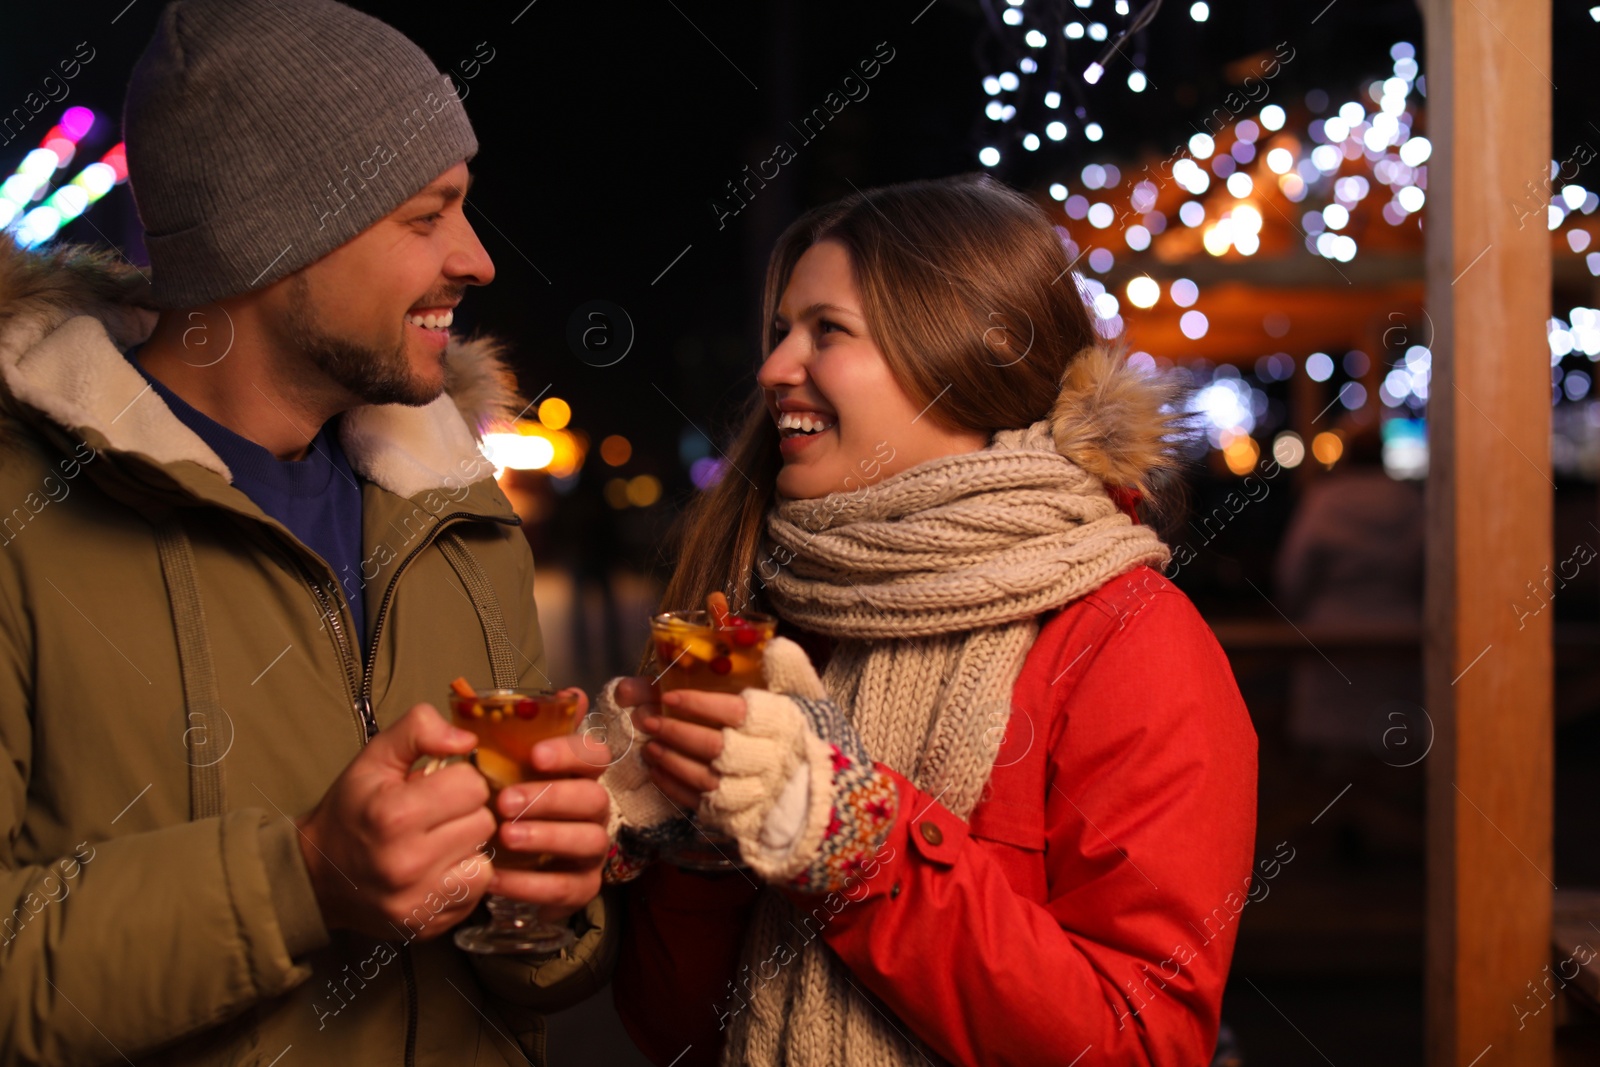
245, 544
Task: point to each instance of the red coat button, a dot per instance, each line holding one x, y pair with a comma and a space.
931, 833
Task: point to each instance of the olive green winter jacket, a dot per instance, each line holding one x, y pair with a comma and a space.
179, 679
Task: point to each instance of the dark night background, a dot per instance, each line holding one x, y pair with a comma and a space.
608, 132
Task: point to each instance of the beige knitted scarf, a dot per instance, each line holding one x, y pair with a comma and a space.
931, 583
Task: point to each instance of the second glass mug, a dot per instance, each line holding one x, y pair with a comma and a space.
719, 653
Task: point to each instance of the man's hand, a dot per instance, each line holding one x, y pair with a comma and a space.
380, 843
563, 818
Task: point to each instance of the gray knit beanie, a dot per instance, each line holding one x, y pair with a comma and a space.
263, 134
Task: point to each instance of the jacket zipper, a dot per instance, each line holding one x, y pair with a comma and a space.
366, 725
407, 970
388, 595
361, 692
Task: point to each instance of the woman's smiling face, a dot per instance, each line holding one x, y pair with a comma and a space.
839, 410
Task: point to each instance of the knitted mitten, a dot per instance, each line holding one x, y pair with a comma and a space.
642, 818
798, 790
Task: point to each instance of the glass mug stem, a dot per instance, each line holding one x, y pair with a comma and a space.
514, 927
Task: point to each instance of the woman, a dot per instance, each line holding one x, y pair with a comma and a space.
1013, 821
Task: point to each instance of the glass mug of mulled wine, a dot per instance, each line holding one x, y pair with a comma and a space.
508, 723
717, 651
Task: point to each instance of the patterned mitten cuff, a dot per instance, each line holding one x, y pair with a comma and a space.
860, 808
799, 793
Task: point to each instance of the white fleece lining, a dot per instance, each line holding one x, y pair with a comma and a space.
78, 376
779, 863
635, 800
409, 450
788, 816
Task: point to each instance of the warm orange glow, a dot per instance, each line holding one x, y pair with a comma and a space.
1241, 453
518, 451
1327, 447
644, 490
555, 413
616, 450
568, 456
533, 446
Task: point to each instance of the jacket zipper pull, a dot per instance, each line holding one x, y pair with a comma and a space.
368, 720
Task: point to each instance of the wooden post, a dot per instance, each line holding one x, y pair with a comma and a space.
1488, 650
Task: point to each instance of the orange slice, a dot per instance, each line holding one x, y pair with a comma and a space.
499, 770
698, 649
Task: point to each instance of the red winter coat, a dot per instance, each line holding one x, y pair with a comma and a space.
1086, 915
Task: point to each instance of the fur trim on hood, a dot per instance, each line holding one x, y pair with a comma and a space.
1119, 423
68, 314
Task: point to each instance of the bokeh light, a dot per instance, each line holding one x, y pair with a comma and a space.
643, 490
1288, 449
1143, 291
555, 413
1241, 453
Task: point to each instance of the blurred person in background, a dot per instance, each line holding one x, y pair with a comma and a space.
1352, 559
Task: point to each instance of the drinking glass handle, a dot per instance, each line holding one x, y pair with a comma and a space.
428, 764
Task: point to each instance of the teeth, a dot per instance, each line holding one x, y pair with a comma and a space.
432, 321
804, 422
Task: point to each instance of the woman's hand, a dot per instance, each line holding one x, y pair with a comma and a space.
769, 768
684, 745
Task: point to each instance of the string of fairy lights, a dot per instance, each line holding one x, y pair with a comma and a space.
1225, 178
1314, 170
1335, 165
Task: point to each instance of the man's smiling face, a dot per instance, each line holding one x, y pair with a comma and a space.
373, 315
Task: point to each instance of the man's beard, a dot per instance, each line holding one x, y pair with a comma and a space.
371, 374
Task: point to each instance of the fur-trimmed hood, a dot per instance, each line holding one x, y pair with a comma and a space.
68, 314
1119, 423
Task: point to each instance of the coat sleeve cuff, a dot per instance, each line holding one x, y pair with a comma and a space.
293, 898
